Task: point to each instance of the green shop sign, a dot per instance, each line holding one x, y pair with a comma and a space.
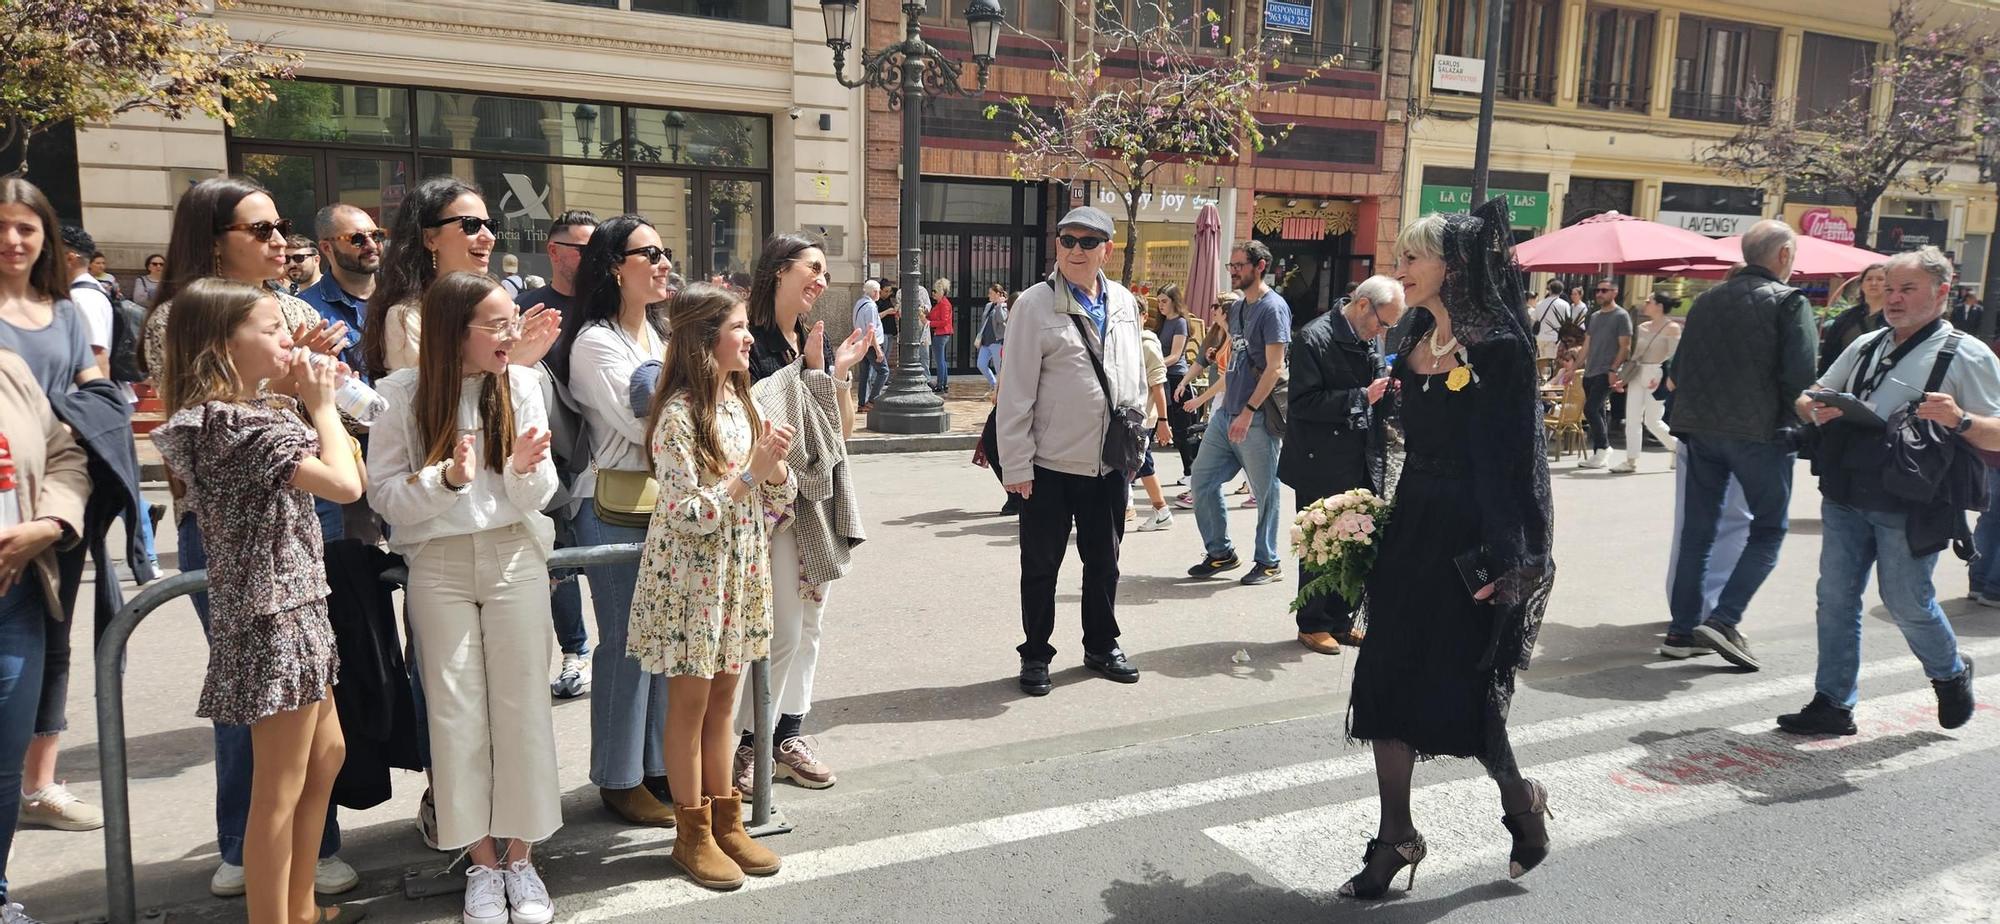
1531, 207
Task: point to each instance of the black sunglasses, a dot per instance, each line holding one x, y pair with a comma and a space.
468, 225
360, 239
569, 244
261, 230
653, 255
1087, 243
299, 257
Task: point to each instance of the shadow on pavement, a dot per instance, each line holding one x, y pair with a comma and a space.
1235, 897
1649, 680
159, 755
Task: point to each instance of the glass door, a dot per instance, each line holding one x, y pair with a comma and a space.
668, 202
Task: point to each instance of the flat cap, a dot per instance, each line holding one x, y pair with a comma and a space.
1090, 218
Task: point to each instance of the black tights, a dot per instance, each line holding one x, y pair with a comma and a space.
1395, 763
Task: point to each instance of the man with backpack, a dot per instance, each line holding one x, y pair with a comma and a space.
116, 355
1894, 496
1548, 318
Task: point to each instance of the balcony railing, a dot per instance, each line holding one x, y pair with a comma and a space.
1308, 53
1613, 95
1707, 107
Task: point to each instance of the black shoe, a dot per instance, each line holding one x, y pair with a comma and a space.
1261, 573
1819, 717
1682, 647
1035, 677
1954, 697
1211, 567
1012, 506
1379, 865
1728, 643
1112, 665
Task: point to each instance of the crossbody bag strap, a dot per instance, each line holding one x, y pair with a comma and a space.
1096, 365
1943, 362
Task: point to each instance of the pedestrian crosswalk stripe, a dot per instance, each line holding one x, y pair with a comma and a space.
1007, 829
1968, 893
1668, 779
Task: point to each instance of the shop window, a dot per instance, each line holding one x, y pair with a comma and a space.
1035, 17
524, 196
736, 209
1349, 28
1588, 197
704, 139
1618, 59
1833, 71
756, 12
509, 125
1723, 71
1528, 44
310, 111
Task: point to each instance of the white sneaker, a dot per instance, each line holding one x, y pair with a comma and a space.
332, 877
13, 913
228, 881
1594, 460
1626, 467
527, 895
54, 806
485, 895
573, 679
1161, 518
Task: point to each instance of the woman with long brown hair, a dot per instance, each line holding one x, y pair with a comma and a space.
443, 227
702, 611
460, 468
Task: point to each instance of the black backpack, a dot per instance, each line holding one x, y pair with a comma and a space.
127, 319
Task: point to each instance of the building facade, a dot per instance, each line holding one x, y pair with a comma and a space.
718, 121
1610, 106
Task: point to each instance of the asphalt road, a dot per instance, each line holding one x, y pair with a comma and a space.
1213, 790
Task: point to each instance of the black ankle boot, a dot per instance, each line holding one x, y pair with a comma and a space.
1531, 832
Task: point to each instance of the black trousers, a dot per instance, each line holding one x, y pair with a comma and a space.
1097, 508
1596, 394
1179, 422
1328, 612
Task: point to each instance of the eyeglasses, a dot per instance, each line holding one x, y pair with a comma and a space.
1236, 265
468, 225
297, 258
261, 230
1085, 243
360, 239
508, 330
653, 255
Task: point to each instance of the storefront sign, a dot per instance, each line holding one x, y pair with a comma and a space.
1899, 234
1288, 17
1828, 223
1304, 219
1530, 206
1711, 224
1164, 204
1451, 72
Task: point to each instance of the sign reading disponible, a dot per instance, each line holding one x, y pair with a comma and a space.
1530, 207
1288, 17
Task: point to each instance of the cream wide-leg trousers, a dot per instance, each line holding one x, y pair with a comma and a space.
479, 607
795, 623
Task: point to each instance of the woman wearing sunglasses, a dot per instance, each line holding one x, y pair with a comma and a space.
441, 229
146, 289
228, 228
623, 272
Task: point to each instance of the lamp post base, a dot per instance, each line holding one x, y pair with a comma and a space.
909, 412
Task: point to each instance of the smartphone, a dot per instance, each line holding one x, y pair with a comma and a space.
1474, 571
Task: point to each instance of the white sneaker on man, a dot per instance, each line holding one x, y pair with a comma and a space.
573, 679
1627, 467
485, 895
228, 881
1161, 518
333, 876
1594, 460
527, 895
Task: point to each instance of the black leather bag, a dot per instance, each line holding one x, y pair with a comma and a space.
1125, 439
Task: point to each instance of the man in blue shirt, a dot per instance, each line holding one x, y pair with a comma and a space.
1259, 329
873, 371
349, 236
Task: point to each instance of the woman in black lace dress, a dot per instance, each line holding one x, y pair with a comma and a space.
1463, 572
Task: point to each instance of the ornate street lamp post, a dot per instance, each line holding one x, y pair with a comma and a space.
908, 71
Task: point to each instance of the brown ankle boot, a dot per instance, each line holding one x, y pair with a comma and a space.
637, 806
696, 853
726, 813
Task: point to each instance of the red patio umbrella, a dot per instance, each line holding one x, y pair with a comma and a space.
1817, 259
1203, 286
1617, 243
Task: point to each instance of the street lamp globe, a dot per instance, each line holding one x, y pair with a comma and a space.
838, 14
984, 18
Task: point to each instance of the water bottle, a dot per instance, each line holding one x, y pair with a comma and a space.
10, 500
353, 397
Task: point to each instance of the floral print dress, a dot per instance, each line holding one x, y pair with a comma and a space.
703, 603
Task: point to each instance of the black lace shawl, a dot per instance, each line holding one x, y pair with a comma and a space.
1482, 287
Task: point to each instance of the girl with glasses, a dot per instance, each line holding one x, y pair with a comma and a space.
459, 466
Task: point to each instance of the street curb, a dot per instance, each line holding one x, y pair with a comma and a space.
930, 442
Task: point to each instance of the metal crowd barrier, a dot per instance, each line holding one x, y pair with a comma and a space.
120, 886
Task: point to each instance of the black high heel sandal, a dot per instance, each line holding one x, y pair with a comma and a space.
1531, 833
1380, 864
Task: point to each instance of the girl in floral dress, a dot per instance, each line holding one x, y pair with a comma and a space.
703, 605
252, 460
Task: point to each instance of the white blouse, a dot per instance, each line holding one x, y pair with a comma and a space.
601, 363
413, 498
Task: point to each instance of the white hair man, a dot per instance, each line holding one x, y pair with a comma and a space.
1865, 526
872, 373
1334, 439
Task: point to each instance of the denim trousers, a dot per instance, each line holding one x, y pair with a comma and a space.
870, 377
1852, 540
1219, 461
566, 598
23, 628
1984, 570
941, 359
1764, 471
989, 364
1731, 531
233, 766
628, 706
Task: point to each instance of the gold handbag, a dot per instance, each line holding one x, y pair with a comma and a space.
625, 498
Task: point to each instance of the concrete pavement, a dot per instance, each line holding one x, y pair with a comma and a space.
1212, 790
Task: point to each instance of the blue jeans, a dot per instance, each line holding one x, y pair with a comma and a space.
941, 359
1850, 541
1219, 461
23, 630
566, 599
989, 364
233, 767
870, 376
1984, 571
1764, 470
628, 706
1731, 531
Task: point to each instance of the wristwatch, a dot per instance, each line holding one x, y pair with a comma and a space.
1964, 423
749, 480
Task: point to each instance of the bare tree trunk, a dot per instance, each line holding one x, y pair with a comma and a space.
1132, 242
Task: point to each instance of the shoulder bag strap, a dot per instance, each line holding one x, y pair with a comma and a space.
1096, 365
1943, 362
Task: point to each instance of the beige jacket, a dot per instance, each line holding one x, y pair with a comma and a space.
1052, 413
51, 472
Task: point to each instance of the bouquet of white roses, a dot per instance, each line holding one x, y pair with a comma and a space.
1336, 536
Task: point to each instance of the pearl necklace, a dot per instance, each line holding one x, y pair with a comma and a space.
1438, 350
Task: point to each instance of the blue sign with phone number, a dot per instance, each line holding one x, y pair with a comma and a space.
1288, 17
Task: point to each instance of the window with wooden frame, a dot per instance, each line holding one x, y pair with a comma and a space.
1042, 18
1349, 28
1723, 71
1529, 44
1832, 71
1189, 17
1618, 59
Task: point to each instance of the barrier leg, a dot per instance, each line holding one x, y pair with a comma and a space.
763, 815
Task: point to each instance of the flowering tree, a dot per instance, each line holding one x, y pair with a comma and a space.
1934, 118
89, 60
1143, 100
